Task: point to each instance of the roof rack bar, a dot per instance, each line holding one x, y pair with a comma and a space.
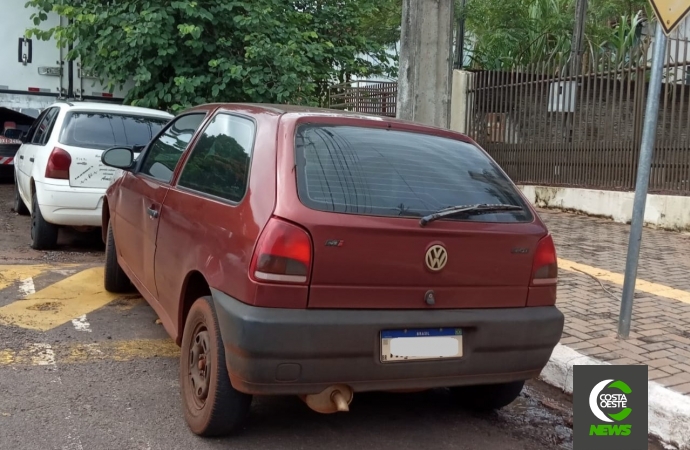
62, 100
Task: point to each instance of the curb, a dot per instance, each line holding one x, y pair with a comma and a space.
669, 411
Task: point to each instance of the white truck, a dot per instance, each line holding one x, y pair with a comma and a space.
34, 74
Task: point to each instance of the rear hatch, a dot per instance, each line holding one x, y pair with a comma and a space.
372, 186
12, 125
8, 149
86, 134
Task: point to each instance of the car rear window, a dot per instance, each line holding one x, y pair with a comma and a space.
104, 130
383, 172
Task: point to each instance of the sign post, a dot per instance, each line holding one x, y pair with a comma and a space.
669, 14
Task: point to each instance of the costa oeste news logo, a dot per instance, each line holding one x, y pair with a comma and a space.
599, 403
610, 407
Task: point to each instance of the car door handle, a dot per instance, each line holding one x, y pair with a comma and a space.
21, 157
31, 159
152, 213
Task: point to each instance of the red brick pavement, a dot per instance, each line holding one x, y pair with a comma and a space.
660, 334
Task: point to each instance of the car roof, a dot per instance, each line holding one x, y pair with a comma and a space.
111, 107
308, 111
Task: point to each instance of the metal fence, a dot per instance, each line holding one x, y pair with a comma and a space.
372, 97
544, 126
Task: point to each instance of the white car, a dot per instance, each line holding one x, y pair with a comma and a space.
59, 177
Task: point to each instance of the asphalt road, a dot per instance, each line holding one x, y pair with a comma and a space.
82, 369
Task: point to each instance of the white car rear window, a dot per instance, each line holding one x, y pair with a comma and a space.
99, 130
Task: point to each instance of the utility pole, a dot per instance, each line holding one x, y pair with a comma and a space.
426, 60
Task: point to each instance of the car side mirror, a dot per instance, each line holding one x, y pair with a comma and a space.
118, 157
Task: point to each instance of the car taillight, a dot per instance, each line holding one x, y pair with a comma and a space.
545, 265
58, 164
283, 254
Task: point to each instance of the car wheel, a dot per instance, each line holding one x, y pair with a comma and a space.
488, 397
114, 278
212, 407
19, 207
43, 234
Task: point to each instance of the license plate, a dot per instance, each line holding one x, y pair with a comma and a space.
421, 344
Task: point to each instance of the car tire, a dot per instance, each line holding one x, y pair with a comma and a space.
19, 207
44, 235
212, 407
114, 278
488, 397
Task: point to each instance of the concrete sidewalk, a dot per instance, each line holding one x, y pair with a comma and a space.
592, 254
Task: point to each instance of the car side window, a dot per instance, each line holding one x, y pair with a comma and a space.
43, 130
34, 126
165, 152
51, 126
219, 162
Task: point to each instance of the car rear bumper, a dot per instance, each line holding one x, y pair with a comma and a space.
65, 205
303, 351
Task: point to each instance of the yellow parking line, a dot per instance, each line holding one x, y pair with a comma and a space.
76, 353
617, 278
7, 357
10, 274
59, 303
120, 351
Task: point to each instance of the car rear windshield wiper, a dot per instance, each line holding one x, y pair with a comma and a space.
479, 208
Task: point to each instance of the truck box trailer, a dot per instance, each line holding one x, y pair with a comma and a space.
35, 73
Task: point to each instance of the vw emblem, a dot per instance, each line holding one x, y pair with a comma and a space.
436, 258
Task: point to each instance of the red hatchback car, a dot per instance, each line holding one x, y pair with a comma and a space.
310, 252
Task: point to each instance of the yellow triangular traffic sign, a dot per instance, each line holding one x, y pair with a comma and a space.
670, 13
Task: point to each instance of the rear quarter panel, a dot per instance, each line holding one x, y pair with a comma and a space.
42, 153
216, 238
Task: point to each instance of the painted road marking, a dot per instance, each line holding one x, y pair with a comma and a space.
41, 355
27, 286
10, 274
59, 303
80, 324
79, 353
617, 278
32, 354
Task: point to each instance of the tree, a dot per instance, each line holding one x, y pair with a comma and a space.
384, 26
504, 33
181, 53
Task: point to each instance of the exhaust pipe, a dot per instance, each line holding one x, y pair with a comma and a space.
333, 399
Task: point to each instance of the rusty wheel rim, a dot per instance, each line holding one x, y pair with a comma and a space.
199, 372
